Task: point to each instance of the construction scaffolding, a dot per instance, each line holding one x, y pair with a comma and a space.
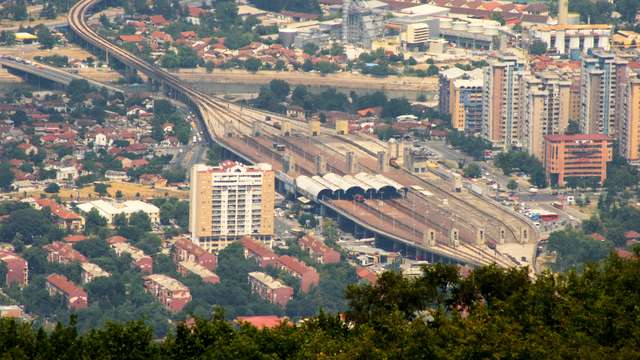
360, 24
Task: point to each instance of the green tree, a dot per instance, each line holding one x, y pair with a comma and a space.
472, 171
6, 177
537, 47
94, 222
52, 188
46, 39
512, 185
310, 49
101, 189
252, 64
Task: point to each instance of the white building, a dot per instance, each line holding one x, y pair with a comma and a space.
109, 209
90, 271
567, 38
68, 173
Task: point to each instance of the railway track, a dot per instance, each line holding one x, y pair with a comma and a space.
222, 118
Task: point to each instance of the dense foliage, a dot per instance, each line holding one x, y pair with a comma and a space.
520, 160
493, 313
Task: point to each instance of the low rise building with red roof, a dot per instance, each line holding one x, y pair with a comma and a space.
171, 293
141, 260
65, 218
255, 250
63, 253
76, 297
308, 276
186, 250
131, 38
318, 250
262, 321
190, 267
367, 275
158, 20
270, 289
17, 269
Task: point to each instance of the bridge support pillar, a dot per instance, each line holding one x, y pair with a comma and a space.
352, 162
320, 165
524, 235
455, 237
429, 238
481, 236
286, 128
502, 238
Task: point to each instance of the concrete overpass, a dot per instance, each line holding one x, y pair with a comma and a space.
50, 73
445, 226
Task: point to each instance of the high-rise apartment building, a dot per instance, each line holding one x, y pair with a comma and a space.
547, 107
629, 130
230, 201
602, 84
502, 101
466, 100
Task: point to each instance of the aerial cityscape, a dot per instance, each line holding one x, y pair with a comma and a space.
438, 179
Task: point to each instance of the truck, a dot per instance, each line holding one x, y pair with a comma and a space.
557, 205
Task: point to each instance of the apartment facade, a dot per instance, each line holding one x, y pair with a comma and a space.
186, 250
602, 82
547, 109
270, 289
257, 251
230, 201
17, 269
580, 156
629, 133
63, 253
91, 271
308, 276
171, 293
568, 38
75, 296
502, 101
141, 260
318, 250
466, 109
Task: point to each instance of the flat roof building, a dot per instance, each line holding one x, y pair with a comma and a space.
109, 209
569, 38
576, 156
230, 201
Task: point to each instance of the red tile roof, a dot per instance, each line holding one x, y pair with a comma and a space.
131, 38
63, 284
264, 321
631, 235
57, 209
75, 238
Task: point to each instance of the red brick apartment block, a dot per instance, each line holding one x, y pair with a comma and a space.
171, 293
270, 289
318, 250
63, 253
17, 269
255, 250
141, 260
308, 276
186, 250
186, 267
76, 297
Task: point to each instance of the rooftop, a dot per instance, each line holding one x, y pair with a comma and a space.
263, 321
115, 208
267, 280
94, 269
198, 269
63, 284
167, 282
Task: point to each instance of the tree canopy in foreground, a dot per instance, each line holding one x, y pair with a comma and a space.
492, 313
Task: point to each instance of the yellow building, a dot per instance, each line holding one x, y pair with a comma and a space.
625, 39
230, 201
630, 124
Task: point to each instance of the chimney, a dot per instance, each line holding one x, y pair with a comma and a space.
321, 165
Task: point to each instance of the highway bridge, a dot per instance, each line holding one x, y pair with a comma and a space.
20, 67
425, 220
